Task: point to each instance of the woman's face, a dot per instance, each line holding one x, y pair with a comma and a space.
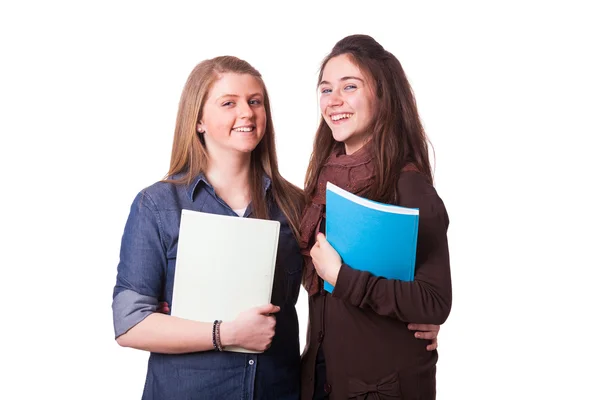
347, 102
234, 116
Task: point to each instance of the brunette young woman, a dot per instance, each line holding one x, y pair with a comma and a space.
371, 142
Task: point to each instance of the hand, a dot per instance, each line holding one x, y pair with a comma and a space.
427, 332
252, 329
163, 307
326, 260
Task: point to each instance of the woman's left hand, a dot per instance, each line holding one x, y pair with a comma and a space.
163, 307
427, 332
326, 260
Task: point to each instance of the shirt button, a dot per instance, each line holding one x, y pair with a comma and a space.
321, 336
251, 362
323, 292
327, 388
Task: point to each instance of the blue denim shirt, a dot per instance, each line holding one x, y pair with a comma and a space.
145, 277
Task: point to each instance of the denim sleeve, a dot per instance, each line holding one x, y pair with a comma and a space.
140, 273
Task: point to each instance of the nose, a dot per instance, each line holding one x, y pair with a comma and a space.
245, 111
334, 99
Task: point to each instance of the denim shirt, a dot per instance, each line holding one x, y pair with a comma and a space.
145, 277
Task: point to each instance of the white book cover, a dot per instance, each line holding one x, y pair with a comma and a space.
225, 265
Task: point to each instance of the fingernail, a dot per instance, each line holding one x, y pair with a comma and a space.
417, 335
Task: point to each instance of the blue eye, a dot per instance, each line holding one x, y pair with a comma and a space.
349, 87
227, 103
326, 90
255, 102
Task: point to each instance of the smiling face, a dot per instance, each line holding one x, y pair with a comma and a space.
233, 116
347, 102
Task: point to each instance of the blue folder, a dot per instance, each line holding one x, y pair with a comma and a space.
371, 236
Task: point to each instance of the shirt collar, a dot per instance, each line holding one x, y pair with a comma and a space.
201, 178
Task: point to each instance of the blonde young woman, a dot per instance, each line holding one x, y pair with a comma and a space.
224, 162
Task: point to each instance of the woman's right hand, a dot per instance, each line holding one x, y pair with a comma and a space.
253, 329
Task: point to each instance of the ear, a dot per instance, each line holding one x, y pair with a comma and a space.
200, 127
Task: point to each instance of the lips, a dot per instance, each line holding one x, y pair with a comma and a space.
245, 128
340, 116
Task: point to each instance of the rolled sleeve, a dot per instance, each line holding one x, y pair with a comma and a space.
142, 266
129, 309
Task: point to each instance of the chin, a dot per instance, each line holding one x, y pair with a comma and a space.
341, 136
247, 146
246, 149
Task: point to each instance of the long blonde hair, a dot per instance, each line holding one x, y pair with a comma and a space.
189, 156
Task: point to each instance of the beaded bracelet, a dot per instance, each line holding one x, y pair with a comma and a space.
216, 335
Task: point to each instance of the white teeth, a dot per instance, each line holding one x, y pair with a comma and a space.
337, 117
243, 129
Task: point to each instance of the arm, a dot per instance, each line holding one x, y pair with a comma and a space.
140, 282
161, 333
428, 298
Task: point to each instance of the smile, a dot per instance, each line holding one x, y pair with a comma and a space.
338, 117
243, 129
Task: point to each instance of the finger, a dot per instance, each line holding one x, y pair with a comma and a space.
162, 308
426, 335
322, 240
424, 327
433, 345
268, 309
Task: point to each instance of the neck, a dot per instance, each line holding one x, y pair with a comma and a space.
352, 146
229, 174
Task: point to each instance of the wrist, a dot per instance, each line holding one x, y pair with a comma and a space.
334, 273
228, 333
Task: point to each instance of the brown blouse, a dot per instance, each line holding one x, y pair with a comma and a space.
362, 326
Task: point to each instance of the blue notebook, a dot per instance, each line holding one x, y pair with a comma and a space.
371, 236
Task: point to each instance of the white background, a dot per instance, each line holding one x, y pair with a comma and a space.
508, 93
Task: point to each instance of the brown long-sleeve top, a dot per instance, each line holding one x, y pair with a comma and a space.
362, 325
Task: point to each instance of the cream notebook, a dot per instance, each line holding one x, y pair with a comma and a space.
225, 265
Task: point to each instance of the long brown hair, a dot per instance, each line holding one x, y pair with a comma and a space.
189, 156
398, 136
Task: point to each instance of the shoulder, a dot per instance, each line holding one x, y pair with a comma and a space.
413, 184
416, 192
160, 195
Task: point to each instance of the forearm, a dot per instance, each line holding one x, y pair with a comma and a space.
426, 299
162, 333
416, 301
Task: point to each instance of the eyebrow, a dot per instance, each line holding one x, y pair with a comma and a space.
236, 96
344, 78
